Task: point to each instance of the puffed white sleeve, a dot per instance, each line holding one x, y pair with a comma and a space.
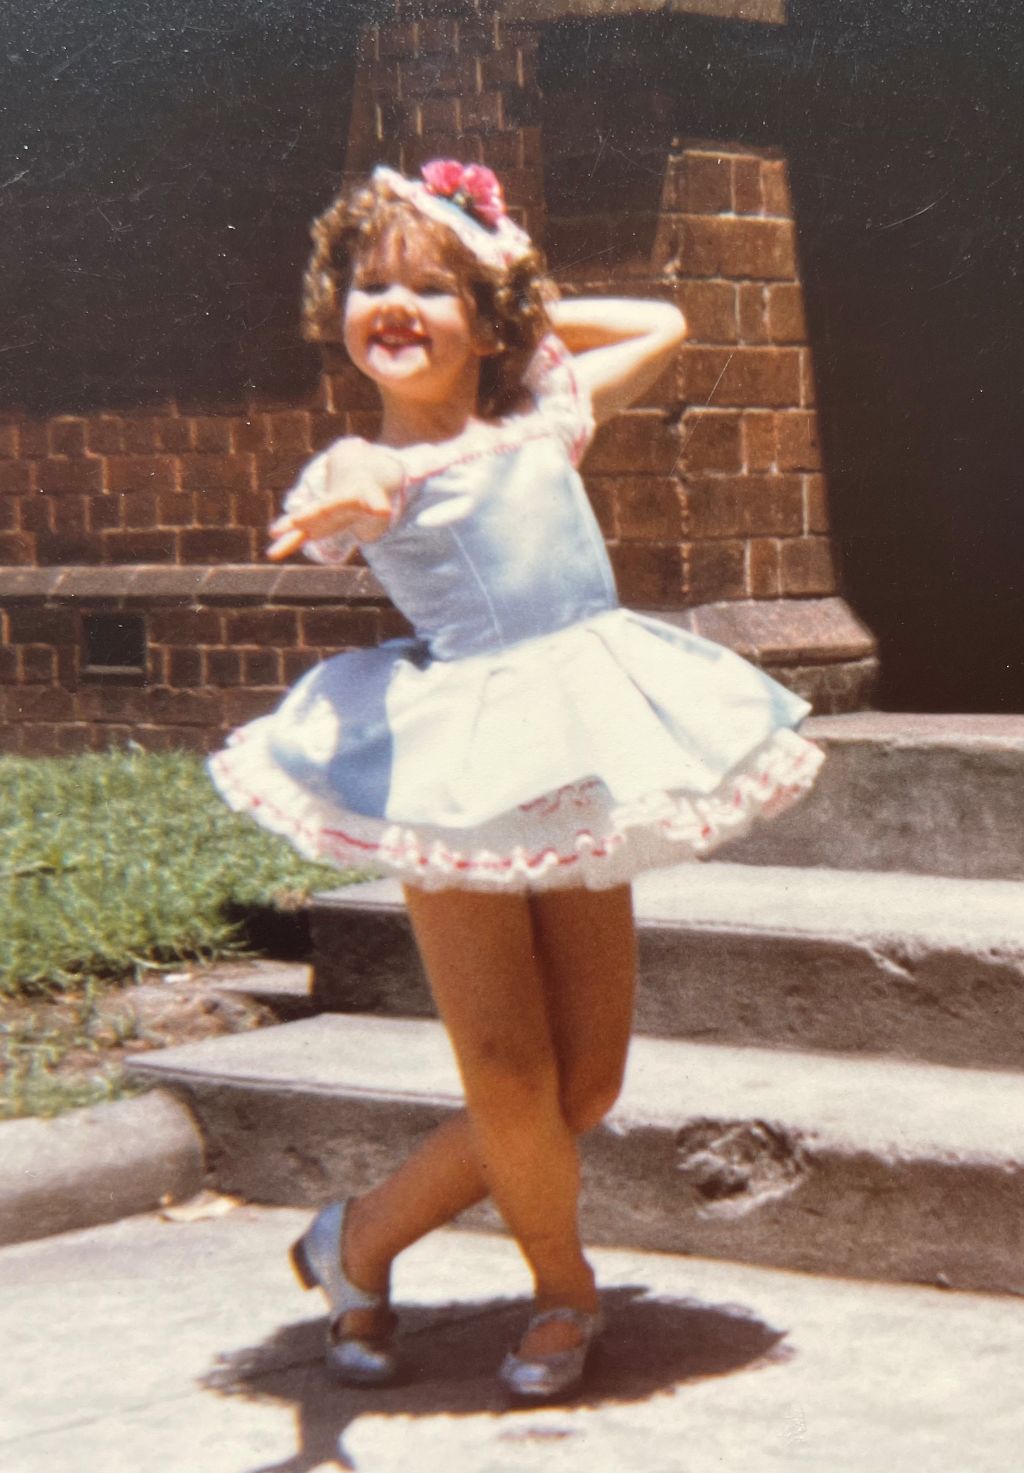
560, 396
312, 489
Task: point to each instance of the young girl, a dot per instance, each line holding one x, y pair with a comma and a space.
520, 758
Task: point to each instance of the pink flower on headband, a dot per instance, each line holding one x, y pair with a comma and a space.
473, 187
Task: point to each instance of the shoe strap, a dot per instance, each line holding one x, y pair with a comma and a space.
586, 1321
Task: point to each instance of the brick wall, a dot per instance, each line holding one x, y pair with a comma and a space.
220, 647
710, 493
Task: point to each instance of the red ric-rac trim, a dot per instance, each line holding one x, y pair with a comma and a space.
438, 858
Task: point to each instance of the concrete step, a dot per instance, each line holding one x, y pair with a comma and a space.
915, 966
939, 795
866, 1168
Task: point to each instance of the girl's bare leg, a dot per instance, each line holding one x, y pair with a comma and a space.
584, 944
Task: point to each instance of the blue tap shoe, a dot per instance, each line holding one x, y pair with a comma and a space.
316, 1259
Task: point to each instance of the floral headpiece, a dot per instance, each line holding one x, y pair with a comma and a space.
468, 199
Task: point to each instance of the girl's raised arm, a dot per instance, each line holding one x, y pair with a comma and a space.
620, 345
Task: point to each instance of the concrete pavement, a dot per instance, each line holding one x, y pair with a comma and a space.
154, 1346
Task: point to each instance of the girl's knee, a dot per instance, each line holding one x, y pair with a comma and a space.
586, 1101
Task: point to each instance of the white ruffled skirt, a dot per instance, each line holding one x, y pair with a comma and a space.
617, 745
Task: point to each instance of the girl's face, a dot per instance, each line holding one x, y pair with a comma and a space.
408, 326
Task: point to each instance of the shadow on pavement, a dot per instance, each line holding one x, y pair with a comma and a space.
452, 1351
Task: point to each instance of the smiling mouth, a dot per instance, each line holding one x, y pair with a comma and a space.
398, 339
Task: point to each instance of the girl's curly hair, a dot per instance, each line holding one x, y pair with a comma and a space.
369, 221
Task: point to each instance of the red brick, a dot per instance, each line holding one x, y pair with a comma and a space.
759, 442
325, 428
37, 703
213, 508
253, 509
40, 626
185, 626
176, 508
277, 472
140, 473
261, 667
715, 570
139, 547
38, 664
807, 567
16, 549
140, 436
297, 662
502, 68
438, 115
764, 568
349, 389
816, 517
797, 440
174, 434
222, 667
746, 186
33, 440
262, 627
8, 440
775, 184
216, 472
738, 247
105, 436
242, 704
483, 113
289, 433
70, 515
430, 76
216, 545
8, 665
16, 477
710, 310
753, 312
639, 443
649, 509
138, 510
184, 668
711, 441
503, 153
59, 476
338, 628
35, 513
699, 184
745, 506
56, 548
10, 520
739, 376
648, 575
211, 434
786, 321
249, 433
67, 436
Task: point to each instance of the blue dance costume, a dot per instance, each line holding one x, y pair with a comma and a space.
532, 733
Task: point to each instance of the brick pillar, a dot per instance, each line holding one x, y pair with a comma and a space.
711, 492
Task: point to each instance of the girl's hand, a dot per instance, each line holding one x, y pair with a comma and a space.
351, 487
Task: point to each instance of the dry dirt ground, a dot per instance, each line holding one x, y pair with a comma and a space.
55, 1053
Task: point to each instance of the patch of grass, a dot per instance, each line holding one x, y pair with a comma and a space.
116, 861
53, 1060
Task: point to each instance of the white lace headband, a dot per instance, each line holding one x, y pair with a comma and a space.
468, 199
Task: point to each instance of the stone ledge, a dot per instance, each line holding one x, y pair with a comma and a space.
797, 631
134, 583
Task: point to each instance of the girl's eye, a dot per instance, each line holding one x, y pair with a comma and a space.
433, 289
